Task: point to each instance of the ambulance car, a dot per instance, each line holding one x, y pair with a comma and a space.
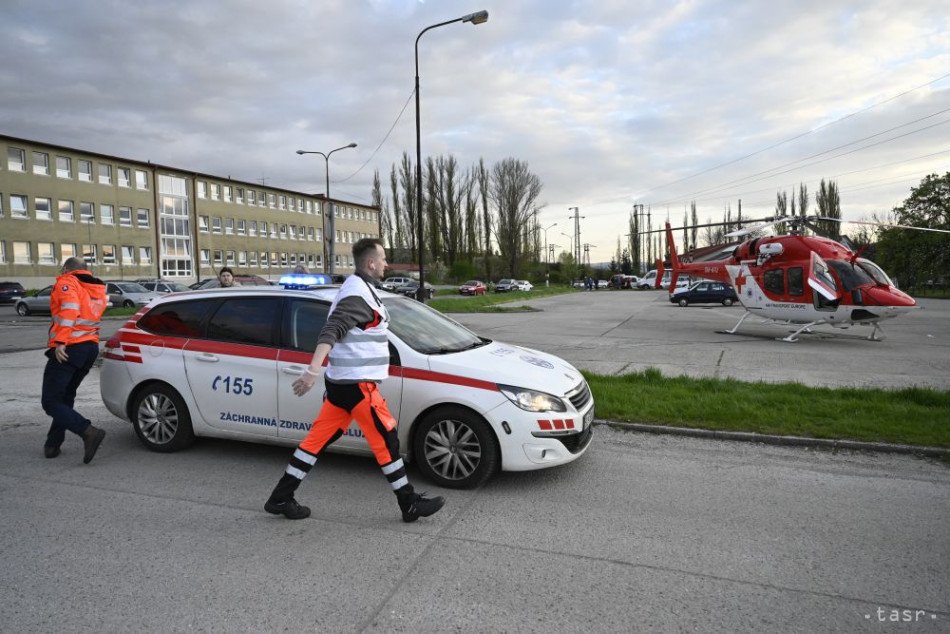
221, 363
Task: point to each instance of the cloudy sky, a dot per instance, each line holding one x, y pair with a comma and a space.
611, 103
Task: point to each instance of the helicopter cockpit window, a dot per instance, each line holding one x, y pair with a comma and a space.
774, 281
875, 271
796, 281
852, 276
823, 275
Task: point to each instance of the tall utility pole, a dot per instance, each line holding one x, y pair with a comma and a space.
587, 247
577, 234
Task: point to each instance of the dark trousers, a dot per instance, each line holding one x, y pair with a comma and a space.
60, 382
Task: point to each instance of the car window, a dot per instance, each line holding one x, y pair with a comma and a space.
175, 287
303, 321
132, 287
248, 320
426, 330
149, 286
177, 319
45, 292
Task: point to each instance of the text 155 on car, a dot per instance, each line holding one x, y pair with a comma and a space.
467, 406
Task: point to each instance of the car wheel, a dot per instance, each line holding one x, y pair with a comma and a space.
22, 310
128, 303
455, 448
161, 419
683, 302
727, 302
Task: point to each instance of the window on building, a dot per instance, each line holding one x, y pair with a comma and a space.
283, 260
293, 232
319, 233
283, 202
85, 171
291, 204
106, 214
273, 230
203, 224
205, 256
89, 253
64, 167
239, 195
44, 208
108, 254
252, 258
229, 258
128, 254
218, 256
66, 211
263, 229
142, 217
336, 260
87, 212
293, 259
18, 206
319, 260
283, 232
251, 197
145, 255
45, 253
16, 159
41, 163
228, 193
141, 179
125, 176
105, 174
274, 258
215, 191
21, 253
67, 250
215, 224
242, 227
310, 234
272, 201
242, 258
202, 188
229, 226
125, 216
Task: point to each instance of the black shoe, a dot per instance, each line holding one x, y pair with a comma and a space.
420, 506
50, 452
288, 508
91, 439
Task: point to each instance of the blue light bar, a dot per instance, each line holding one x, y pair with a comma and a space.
304, 280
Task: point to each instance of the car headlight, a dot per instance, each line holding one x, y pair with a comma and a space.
531, 400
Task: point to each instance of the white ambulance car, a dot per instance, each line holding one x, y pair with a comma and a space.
221, 363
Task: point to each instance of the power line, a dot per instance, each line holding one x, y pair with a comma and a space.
385, 138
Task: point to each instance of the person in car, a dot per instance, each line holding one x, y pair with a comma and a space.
76, 306
226, 277
355, 340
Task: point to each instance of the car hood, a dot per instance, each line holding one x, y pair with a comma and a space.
510, 365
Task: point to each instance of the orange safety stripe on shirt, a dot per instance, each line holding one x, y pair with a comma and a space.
76, 308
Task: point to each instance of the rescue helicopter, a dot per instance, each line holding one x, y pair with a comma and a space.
800, 279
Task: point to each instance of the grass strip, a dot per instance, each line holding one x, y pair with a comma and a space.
913, 416
490, 302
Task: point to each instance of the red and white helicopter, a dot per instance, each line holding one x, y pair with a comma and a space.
799, 279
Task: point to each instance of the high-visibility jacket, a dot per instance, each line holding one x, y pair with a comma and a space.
363, 352
76, 304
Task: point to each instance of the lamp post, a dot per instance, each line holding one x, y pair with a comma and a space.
547, 263
475, 18
327, 237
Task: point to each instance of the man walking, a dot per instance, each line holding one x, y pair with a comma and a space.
76, 305
355, 339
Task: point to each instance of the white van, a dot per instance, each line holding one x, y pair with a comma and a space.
649, 280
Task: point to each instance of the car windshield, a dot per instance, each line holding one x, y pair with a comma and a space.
176, 287
131, 287
470, 283
428, 331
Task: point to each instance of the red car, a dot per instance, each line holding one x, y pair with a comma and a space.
473, 287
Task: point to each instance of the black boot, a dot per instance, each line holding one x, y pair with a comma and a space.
91, 439
50, 452
415, 505
282, 502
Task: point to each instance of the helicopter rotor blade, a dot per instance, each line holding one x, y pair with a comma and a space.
882, 224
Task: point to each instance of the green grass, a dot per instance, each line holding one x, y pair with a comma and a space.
934, 293
119, 311
913, 416
494, 302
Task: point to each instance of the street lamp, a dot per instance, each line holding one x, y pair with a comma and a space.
327, 237
546, 242
475, 18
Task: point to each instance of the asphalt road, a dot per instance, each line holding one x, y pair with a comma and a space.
643, 533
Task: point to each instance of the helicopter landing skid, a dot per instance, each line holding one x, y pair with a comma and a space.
792, 338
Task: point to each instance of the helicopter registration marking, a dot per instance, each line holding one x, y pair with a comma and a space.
794, 306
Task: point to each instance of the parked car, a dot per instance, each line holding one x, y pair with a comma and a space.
128, 294
601, 283
473, 287
39, 302
468, 406
705, 292
648, 281
239, 280
162, 287
10, 292
392, 283
621, 280
525, 285
412, 288
506, 286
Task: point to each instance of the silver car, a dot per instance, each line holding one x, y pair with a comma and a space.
37, 303
163, 287
128, 294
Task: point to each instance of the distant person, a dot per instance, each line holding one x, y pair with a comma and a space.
300, 269
226, 277
76, 306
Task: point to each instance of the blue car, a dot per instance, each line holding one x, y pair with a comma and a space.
705, 292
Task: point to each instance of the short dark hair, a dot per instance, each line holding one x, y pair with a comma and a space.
226, 269
363, 247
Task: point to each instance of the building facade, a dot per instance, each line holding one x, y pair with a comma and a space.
133, 220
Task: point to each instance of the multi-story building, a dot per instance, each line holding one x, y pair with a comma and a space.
131, 219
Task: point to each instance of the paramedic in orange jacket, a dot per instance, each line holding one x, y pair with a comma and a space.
76, 305
355, 340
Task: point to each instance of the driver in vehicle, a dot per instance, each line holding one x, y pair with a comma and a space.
356, 342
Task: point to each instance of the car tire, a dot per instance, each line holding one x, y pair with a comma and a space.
161, 419
476, 456
683, 302
128, 303
727, 302
22, 310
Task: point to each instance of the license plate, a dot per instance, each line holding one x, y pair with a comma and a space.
588, 417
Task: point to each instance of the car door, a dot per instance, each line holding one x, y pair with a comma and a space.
232, 370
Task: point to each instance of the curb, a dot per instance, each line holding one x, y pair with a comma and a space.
785, 441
